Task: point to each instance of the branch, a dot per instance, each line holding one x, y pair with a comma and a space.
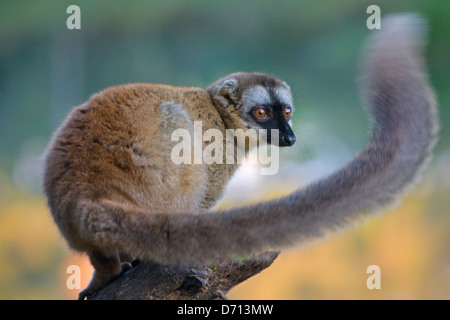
150, 281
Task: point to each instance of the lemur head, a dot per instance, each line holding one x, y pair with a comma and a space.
255, 101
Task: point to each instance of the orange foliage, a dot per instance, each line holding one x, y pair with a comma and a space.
406, 244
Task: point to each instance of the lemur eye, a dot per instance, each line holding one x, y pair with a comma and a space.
287, 112
261, 112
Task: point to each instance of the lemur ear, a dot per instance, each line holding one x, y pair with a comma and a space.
229, 91
229, 87
225, 92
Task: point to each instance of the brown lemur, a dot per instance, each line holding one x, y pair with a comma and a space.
115, 194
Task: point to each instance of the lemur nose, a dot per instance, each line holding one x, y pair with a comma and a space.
289, 140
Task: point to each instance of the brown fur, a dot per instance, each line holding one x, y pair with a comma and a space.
115, 150
113, 190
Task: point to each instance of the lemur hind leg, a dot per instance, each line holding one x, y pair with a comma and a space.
106, 270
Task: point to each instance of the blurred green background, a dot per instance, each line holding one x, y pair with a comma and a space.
46, 69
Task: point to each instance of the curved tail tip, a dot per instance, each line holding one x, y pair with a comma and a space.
404, 29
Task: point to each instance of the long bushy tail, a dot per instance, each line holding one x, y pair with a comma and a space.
402, 107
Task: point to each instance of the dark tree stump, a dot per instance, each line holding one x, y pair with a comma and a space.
150, 281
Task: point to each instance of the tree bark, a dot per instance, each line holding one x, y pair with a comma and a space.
150, 281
